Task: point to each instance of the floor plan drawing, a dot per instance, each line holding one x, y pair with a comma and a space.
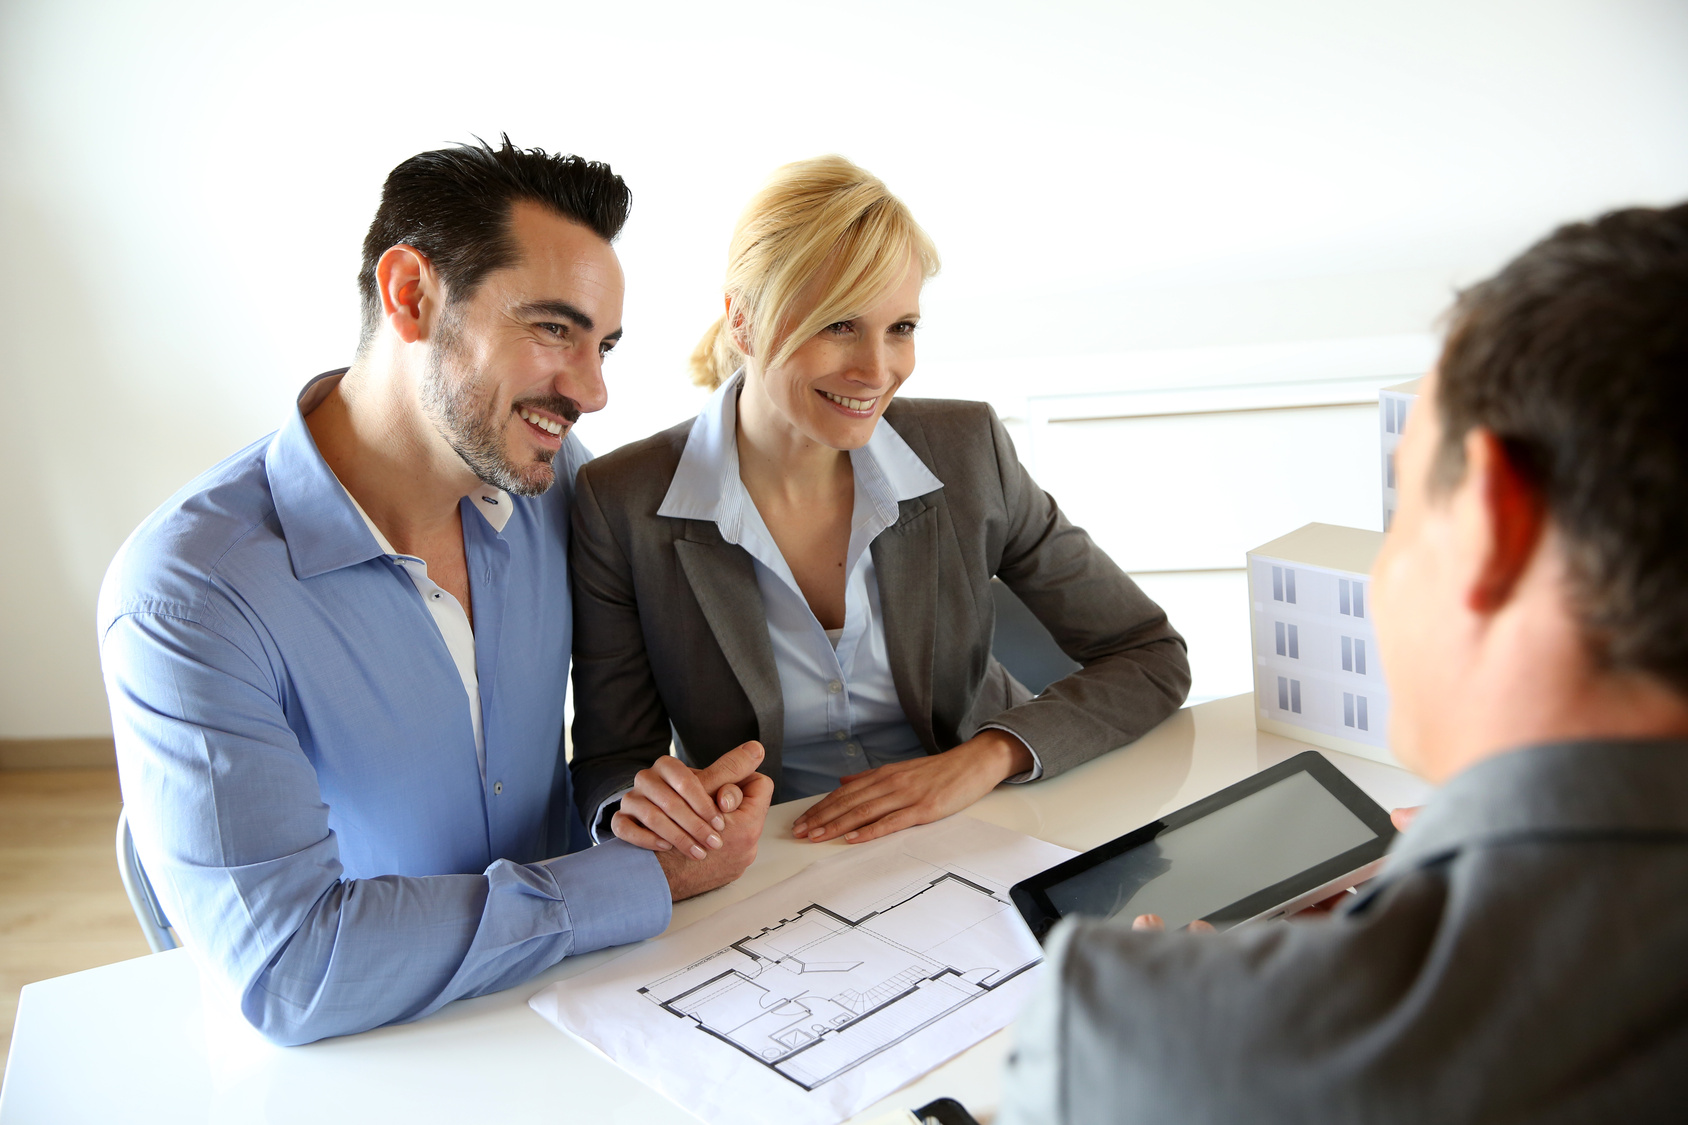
823, 992
815, 994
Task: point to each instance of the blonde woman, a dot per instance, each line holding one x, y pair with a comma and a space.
806, 565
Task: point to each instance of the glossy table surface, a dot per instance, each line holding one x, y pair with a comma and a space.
147, 1040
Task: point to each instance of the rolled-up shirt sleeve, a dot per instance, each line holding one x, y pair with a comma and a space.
234, 833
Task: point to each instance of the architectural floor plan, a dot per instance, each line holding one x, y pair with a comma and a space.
820, 992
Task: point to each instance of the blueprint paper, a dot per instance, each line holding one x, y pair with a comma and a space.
813, 999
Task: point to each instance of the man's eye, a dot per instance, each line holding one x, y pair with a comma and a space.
606, 349
556, 329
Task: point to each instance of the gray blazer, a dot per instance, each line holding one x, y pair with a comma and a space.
1522, 958
669, 626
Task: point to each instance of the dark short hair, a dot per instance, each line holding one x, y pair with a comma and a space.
1575, 356
454, 204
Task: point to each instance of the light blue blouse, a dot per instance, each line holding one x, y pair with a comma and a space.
842, 714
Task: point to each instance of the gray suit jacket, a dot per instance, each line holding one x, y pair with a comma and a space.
1522, 958
669, 626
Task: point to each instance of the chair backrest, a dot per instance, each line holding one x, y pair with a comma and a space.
1023, 645
145, 904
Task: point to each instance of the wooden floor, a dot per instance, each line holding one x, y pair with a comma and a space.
62, 906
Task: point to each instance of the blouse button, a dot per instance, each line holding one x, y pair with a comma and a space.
497, 788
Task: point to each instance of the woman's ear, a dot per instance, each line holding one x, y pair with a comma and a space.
737, 330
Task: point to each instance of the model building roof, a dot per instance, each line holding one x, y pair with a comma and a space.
1326, 545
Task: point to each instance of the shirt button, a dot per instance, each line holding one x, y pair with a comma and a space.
835, 687
497, 788
851, 749
839, 735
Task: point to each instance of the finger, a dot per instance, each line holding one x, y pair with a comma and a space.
758, 795
683, 780
866, 812
885, 825
1200, 927
852, 810
735, 765
1402, 818
626, 828
729, 797
1148, 923
827, 807
662, 821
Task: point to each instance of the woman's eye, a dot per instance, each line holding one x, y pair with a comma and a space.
838, 328
905, 328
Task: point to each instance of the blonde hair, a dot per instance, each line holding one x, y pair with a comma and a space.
819, 218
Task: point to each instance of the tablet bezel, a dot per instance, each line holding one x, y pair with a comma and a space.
1032, 898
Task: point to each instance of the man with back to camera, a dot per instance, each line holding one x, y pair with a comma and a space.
1521, 957
337, 660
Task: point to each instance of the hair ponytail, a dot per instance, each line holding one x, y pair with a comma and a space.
714, 359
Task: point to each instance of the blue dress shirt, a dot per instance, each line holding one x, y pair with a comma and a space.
299, 763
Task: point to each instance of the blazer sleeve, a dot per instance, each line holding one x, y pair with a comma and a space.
1135, 667
620, 723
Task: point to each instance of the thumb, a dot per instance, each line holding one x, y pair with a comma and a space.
1402, 818
735, 765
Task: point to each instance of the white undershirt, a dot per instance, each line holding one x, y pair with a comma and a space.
447, 612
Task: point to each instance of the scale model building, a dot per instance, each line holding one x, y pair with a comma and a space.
1392, 406
1316, 673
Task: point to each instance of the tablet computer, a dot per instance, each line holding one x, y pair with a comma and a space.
1269, 845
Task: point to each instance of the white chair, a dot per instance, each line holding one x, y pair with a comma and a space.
148, 912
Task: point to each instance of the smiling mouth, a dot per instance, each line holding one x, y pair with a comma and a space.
858, 405
540, 422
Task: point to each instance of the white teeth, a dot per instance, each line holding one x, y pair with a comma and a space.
543, 423
862, 404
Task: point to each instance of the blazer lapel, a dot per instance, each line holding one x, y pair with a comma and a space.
905, 556
723, 579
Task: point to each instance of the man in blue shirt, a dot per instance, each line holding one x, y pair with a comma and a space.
337, 661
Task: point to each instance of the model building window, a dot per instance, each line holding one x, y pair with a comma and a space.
1389, 470
1289, 640
1354, 711
1351, 597
1354, 655
1289, 695
1283, 584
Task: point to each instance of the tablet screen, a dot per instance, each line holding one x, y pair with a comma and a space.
1191, 871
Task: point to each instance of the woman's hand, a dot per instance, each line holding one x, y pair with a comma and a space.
673, 806
876, 802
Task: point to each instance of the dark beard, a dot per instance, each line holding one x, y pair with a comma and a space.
462, 409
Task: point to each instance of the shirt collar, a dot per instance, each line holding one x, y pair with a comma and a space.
324, 527
1558, 789
706, 483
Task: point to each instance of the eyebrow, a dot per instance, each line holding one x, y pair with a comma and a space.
562, 310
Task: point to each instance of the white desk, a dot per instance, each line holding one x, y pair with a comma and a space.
148, 1041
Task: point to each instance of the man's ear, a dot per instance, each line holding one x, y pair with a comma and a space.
1507, 519
409, 291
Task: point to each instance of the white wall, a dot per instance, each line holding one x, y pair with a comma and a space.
185, 185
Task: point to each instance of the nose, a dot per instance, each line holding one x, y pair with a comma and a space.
873, 364
582, 379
